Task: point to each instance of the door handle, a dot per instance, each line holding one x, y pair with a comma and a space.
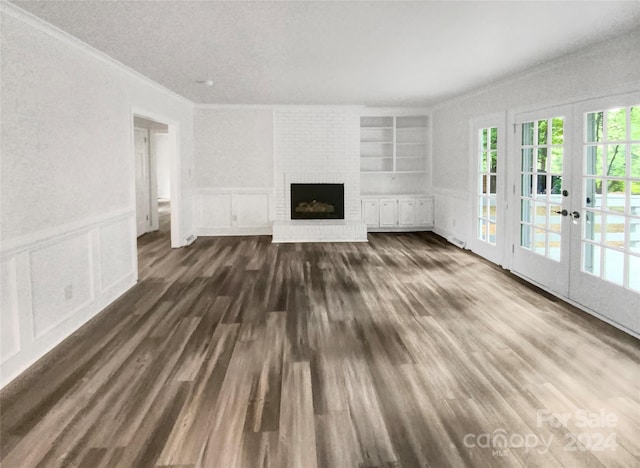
563, 212
575, 215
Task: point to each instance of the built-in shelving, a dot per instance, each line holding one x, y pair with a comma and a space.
376, 144
393, 152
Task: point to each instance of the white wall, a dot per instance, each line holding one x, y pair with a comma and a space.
67, 192
588, 73
234, 170
233, 148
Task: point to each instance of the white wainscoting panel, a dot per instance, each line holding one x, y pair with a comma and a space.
56, 280
188, 226
451, 219
234, 211
10, 329
61, 281
252, 209
116, 252
214, 210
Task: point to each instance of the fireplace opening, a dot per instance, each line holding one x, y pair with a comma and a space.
317, 201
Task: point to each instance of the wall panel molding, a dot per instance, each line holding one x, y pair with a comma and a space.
10, 336
234, 211
54, 281
55, 234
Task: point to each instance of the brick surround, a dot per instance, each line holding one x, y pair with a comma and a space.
317, 145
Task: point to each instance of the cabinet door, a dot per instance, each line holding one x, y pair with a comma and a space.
424, 212
370, 212
388, 212
407, 215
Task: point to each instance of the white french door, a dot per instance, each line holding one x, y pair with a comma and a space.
543, 196
577, 199
605, 245
487, 169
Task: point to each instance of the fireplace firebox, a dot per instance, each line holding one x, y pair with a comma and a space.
317, 201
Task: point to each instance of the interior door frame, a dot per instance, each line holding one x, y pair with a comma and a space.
537, 263
174, 169
494, 253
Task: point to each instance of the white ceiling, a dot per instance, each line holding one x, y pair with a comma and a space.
371, 53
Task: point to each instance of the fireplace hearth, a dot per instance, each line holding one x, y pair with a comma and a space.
317, 201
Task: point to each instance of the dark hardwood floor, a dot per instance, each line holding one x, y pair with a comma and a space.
403, 352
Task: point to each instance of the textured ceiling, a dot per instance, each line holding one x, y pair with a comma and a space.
371, 53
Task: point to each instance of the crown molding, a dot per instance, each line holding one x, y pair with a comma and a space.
41, 25
281, 107
396, 111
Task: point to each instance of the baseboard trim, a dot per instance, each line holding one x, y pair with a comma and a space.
577, 305
316, 241
400, 229
234, 231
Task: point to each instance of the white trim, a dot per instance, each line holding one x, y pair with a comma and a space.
578, 305
397, 112
175, 171
235, 231
57, 33
33, 344
281, 107
230, 190
154, 218
426, 228
58, 233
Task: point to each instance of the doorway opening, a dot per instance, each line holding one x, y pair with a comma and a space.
153, 186
155, 161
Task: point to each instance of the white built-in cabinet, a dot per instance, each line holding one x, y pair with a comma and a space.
370, 212
393, 172
400, 213
388, 212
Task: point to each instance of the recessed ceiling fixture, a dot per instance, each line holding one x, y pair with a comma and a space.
206, 82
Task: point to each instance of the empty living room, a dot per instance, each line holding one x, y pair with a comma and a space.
319, 234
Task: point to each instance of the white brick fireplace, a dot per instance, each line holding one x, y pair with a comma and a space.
317, 145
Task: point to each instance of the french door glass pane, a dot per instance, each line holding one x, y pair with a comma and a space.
541, 169
611, 198
634, 273
591, 257
487, 184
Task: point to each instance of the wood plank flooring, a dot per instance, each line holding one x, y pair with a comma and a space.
402, 352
